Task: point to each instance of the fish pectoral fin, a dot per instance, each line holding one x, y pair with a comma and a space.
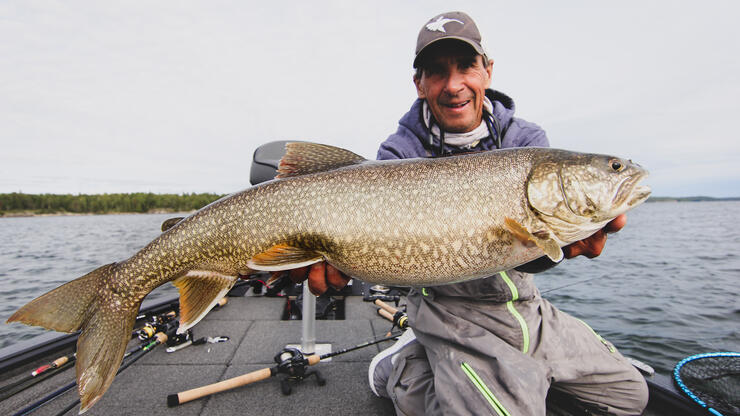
302, 158
199, 292
542, 239
283, 257
170, 222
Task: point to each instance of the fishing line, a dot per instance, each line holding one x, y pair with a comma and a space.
570, 284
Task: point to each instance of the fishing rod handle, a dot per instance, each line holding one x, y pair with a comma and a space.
60, 361
385, 314
232, 383
386, 306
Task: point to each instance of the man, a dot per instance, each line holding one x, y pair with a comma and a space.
493, 345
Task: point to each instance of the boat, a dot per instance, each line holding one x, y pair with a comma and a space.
257, 326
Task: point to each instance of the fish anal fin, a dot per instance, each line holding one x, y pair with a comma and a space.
283, 257
541, 238
302, 158
199, 292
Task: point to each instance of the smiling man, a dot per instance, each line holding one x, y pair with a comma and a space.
493, 345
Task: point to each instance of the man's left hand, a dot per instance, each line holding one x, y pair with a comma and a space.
592, 246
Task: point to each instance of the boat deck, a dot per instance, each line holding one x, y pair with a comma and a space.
256, 333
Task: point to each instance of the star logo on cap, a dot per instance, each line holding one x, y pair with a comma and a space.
439, 24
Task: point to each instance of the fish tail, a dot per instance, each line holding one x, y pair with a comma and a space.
85, 305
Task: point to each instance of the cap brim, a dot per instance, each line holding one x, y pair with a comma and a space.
478, 48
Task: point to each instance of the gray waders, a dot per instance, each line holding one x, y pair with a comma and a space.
479, 357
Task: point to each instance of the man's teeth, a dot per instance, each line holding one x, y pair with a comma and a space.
457, 105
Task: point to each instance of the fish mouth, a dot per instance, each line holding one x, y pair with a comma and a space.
630, 192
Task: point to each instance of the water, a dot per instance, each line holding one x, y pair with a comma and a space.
38, 254
666, 286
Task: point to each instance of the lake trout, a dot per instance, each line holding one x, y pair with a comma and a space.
416, 222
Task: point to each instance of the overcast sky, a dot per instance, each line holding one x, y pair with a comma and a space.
174, 96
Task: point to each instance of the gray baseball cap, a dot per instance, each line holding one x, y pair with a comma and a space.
450, 25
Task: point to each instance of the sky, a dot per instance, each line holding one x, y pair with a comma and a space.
175, 96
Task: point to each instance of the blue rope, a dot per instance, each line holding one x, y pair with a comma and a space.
685, 389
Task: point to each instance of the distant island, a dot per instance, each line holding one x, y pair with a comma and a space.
20, 204
689, 199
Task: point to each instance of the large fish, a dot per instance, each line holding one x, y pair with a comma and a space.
417, 222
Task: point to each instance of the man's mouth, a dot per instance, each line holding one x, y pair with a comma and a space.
456, 106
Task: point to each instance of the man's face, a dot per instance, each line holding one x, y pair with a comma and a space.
453, 82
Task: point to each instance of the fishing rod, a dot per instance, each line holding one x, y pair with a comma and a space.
36, 376
159, 338
392, 314
289, 361
156, 323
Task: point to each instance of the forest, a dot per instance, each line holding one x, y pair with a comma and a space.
140, 202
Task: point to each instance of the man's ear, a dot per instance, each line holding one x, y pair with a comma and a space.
419, 91
489, 71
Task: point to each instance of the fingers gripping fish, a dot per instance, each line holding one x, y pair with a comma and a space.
417, 222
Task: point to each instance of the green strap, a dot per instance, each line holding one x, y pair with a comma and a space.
515, 313
484, 390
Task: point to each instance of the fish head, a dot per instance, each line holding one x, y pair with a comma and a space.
576, 194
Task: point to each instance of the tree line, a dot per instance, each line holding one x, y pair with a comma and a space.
102, 204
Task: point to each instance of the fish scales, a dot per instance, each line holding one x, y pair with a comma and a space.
418, 222
396, 223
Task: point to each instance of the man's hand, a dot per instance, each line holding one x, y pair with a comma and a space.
320, 277
593, 245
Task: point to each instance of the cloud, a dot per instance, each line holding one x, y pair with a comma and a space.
175, 96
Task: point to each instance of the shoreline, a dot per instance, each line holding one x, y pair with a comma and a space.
26, 214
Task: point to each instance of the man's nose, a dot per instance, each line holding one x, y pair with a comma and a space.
454, 82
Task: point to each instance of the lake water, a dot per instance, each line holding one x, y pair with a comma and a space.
665, 287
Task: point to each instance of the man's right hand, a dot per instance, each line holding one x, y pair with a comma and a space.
320, 277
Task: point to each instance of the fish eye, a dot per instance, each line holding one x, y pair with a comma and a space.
617, 166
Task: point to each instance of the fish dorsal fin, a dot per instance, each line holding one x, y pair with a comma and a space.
283, 257
169, 223
199, 292
542, 239
302, 158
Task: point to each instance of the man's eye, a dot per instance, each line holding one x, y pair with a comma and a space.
435, 70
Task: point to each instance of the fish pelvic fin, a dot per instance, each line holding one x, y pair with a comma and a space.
283, 257
302, 158
85, 304
542, 239
199, 292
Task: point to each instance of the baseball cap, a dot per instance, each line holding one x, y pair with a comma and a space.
450, 25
